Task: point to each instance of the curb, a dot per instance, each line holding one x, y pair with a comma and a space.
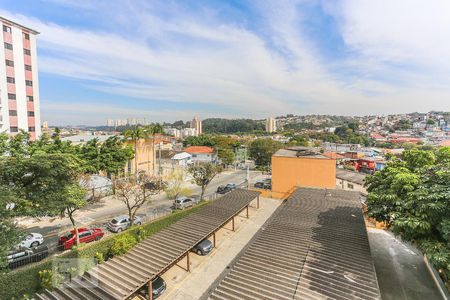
437, 279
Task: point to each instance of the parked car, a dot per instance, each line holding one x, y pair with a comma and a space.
203, 248
227, 188
23, 256
264, 184
86, 235
158, 288
121, 223
32, 240
183, 202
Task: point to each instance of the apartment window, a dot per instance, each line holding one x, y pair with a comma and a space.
11, 96
350, 186
31, 113
26, 36
13, 113
14, 129
6, 29
8, 46
28, 83
26, 52
31, 129
9, 63
27, 67
30, 98
10, 80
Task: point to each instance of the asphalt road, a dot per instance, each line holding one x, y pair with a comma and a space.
99, 214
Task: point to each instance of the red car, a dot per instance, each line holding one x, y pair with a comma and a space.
86, 236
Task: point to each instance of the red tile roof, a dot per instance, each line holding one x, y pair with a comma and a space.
333, 155
445, 143
199, 149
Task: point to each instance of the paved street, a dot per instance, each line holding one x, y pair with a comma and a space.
98, 214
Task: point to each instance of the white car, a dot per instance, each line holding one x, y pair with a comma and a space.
32, 240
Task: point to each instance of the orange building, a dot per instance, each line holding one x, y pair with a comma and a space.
301, 167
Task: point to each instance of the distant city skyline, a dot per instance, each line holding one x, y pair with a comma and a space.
236, 59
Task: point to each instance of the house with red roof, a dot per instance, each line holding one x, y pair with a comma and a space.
201, 153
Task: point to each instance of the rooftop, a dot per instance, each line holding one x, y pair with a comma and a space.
300, 152
351, 176
199, 149
18, 25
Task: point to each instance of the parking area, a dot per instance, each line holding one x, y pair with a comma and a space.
204, 270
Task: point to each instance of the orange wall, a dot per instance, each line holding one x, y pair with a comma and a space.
290, 172
145, 156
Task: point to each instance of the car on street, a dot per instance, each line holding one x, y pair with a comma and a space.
23, 256
86, 235
183, 202
158, 288
264, 184
32, 240
120, 223
203, 248
223, 189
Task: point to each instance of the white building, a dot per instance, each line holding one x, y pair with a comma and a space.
271, 125
197, 125
182, 159
19, 84
185, 132
173, 132
110, 123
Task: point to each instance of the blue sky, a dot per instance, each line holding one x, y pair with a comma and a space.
170, 60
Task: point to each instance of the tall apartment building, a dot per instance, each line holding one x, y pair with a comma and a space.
271, 125
197, 125
19, 85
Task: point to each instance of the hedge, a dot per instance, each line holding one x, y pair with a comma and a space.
24, 282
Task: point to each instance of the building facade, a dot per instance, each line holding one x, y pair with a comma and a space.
271, 125
197, 125
19, 84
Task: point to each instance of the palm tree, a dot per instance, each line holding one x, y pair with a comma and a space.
135, 134
155, 129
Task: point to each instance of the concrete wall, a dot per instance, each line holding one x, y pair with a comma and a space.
350, 186
291, 172
145, 157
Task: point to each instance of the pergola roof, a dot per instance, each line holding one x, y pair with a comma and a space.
314, 246
120, 277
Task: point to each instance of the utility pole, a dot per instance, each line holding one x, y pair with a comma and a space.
159, 162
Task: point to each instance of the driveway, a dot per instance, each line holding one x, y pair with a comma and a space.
401, 271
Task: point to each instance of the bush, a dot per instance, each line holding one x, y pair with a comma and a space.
46, 279
123, 243
99, 257
26, 281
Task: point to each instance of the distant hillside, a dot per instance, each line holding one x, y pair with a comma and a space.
217, 125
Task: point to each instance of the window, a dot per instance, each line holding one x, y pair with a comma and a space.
31, 113
31, 129
30, 98
14, 129
27, 67
8, 46
28, 83
11, 96
6, 29
85, 234
9, 63
350, 186
10, 80
26, 52
13, 113
26, 35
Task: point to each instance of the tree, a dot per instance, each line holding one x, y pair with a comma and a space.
299, 140
90, 153
114, 155
175, 186
412, 196
202, 175
261, 150
135, 134
135, 191
44, 184
226, 156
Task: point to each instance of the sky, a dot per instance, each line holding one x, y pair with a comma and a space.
169, 60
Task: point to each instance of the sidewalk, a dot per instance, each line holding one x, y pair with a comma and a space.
205, 269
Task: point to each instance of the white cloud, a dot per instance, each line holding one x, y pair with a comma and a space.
401, 55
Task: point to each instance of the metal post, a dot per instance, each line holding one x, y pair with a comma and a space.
232, 223
214, 240
247, 211
150, 290
257, 202
187, 257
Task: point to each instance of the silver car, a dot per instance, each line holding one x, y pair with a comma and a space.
183, 202
121, 223
32, 240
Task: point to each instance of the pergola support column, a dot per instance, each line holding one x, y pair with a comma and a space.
247, 211
257, 202
214, 239
232, 224
187, 262
150, 290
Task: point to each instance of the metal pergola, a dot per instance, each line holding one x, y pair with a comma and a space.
315, 246
121, 277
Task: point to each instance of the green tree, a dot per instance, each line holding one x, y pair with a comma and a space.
412, 196
90, 153
135, 134
226, 156
202, 175
114, 155
261, 150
